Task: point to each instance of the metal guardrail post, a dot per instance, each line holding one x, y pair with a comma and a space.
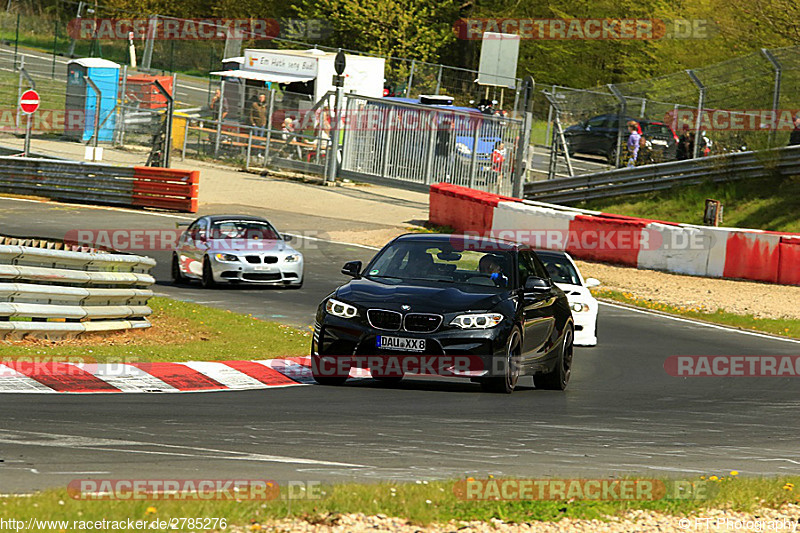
268, 132
220, 108
623, 113
776, 92
701, 102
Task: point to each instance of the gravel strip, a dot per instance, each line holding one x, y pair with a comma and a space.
783, 519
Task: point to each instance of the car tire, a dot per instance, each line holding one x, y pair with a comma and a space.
324, 380
558, 378
177, 276
505, 384
207, 279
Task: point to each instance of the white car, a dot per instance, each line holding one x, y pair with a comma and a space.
584, 306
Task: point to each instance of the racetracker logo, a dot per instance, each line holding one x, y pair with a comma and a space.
197, 29
581, 489
572, 29
45, 120
145, 240
746, 366
733, 119
58, 367
173, 489
399, 365
635, 238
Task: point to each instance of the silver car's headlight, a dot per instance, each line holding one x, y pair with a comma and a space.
293, 258
228, 258
579, 307
340, 309
477, 321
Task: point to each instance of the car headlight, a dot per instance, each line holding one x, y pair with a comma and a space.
477, 321
579, 307
293, 258
340, 309
228, 258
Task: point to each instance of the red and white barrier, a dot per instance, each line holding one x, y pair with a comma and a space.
682, 248
166, 188
192, 376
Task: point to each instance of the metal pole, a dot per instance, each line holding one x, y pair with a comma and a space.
98, 97
410, 78
168, 126
19, 87
623, 111
776, 92
219, 116
701, 100
439, 79
16, 42
27, 146
55, 46
152, 26
644, 105
71, 51
518, 177
333, 149
474, 156
548, 132
268, 132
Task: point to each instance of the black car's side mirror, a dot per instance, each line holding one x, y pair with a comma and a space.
352, 268
536, 284
287, 237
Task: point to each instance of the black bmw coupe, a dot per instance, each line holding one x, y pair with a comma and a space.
443, 304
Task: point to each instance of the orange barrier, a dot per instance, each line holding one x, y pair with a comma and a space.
166, 188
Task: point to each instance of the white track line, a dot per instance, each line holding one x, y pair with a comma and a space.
700, 323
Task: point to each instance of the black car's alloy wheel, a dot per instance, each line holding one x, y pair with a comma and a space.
558, 378
508, 381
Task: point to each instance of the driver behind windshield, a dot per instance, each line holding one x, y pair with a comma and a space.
490, 265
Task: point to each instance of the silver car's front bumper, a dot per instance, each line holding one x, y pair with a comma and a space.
277, 273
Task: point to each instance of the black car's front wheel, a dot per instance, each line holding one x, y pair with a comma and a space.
558, 378
177, 276
207, 278
324, 375
511, 367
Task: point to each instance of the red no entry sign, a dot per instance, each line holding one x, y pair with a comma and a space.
29, 102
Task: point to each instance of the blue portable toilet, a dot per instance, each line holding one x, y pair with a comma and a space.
81, 101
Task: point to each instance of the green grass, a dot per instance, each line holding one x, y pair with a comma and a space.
539, 132
421, 502
769, 204
181, 332
775, 326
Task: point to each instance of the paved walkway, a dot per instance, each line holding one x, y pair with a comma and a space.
383, 207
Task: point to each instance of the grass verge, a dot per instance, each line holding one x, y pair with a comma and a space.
769, 204
181, 331
775, 326
421, 502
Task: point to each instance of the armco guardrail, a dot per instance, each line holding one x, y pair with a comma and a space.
737, 166
51, 293
640, 243
77, 181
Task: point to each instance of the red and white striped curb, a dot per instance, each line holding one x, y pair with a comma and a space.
192, 376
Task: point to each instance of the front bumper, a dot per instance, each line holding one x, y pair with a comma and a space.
449, 351
280, 273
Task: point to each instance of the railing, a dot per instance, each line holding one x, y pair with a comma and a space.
51, 293
97, 183
737, 166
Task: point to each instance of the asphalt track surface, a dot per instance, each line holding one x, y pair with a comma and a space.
622, 413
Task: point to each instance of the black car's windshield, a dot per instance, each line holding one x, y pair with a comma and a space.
243, 229
409, 261
560, 269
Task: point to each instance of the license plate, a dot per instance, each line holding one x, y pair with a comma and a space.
262, 267
401, 343
660, 143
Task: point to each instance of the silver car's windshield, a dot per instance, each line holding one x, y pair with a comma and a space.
421, 261
243, 229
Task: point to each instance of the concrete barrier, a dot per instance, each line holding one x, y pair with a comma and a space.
682, 248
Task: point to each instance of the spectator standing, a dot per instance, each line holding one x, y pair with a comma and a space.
217, 103
498, 158
633, 142
794, 137
685, 148
645, 155
258, 115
